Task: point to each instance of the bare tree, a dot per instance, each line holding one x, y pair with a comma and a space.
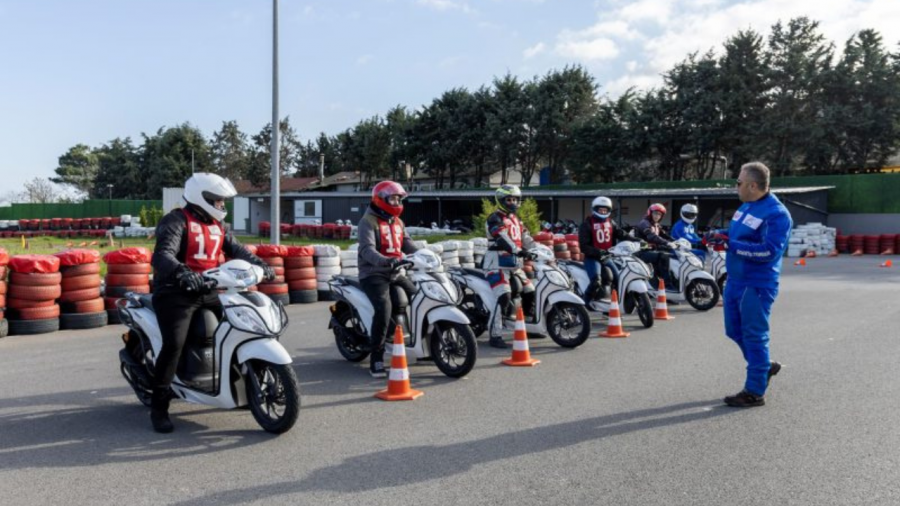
40, 191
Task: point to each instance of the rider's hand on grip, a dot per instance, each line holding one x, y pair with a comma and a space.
189, 281
268, 273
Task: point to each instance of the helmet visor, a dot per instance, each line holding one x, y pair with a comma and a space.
689, 216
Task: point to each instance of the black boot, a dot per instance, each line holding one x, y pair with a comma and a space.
159, 411
591, 292
497, 342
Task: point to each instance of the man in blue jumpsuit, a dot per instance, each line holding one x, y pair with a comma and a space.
758, 237
684, 229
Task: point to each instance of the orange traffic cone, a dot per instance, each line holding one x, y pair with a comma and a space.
398, 388
833, 253
521, 356
614, 329
887, 263
662, 309
801, 262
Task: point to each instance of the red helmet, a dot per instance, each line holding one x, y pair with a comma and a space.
383, 191
656, 208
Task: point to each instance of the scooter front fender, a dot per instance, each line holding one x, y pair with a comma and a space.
448, 313
639, 286
700, 275
563, 296
266, 349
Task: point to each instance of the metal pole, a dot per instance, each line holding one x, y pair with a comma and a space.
275, 198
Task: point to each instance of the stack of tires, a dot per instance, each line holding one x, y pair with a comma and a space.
300, 274
574, 246
4, 261
328, 265
350, 262
277, 289
560, 248
466, 254
479, 248
81, 306
127, 270
32, 293
450, 256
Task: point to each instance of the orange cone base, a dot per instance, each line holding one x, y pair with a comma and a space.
408, 395
666, 316
528, 362
620, 334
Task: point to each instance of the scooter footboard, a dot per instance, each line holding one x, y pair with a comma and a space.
269, 350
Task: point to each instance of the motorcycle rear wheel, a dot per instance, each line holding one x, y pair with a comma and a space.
349, 342
453, 348
273, 394
702, 294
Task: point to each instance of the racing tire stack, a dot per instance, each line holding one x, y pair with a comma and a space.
466, 253
34, 286
127, 270
4, 261
328, 265
479, 247
300, 274
277, 289
81, 306
350, 263
560, 248
450, 256
574, 247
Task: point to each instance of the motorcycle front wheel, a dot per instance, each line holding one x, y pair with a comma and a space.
351, 344
644, 308
273, 394
568, 324
702, 294
453, 348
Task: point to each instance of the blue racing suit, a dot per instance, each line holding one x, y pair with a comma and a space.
758, 237
685, 230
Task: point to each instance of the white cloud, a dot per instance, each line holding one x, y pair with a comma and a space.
654, 35
446, 5
588, 50
534, 50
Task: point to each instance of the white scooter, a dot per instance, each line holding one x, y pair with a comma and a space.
695, 285
228, 364
433, 327
632, 282
557, 311
715, 261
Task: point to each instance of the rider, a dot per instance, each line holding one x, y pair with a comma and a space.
189, 240
503, 260
661, 243
382, 242
684, 229
597, 234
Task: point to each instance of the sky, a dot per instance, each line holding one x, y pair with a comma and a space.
88, 71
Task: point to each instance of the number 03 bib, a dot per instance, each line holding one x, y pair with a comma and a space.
204, 243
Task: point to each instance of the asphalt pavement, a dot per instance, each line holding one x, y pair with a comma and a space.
636, 421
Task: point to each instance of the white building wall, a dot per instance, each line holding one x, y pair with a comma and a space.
172, 198
241, 214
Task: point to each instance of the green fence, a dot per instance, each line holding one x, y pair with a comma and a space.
857, 193
86, 209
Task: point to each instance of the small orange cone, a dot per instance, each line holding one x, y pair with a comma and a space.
398, 388
887, 263
811, 253
801, 262
614, 329
521, 356
662, 309
833, 253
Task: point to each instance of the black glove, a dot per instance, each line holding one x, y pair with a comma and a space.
397, 263
527, 255
189, 281
268, 273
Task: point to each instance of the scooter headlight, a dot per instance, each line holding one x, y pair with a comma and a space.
433, 290
247, 319
693, 260
557, 278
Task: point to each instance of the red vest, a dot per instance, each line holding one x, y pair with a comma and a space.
602, 234
390, 238
513, 227
204, 243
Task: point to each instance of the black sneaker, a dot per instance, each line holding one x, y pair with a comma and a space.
376, 369
745, 399
773, 370
497, 342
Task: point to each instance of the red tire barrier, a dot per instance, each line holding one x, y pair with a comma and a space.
127, 279
70, 283
35, 292
36, 279
129, 269
83, 306
79, 295
273, 288
14, 303
298, 262
38, 313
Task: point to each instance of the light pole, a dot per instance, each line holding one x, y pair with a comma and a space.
275, 207
110, 187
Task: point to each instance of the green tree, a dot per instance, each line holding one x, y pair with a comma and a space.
169, 157
528, 213
78, 168
505, 126
230, 151
119, 174
259, 171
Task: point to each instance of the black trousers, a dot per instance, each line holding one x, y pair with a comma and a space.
378, 290
174, 310
660, 261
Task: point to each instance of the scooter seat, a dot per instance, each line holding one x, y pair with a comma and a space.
349, 280
475, 272
147, 301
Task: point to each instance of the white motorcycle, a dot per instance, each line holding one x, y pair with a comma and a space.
433, 326
228, 364
557, 311
695, 285
715, 261
632, 281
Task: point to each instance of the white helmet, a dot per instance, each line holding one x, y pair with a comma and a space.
689, 213
204, 189
602, 202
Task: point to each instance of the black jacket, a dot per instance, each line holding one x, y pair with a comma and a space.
653, 233
171, 248
586, 237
